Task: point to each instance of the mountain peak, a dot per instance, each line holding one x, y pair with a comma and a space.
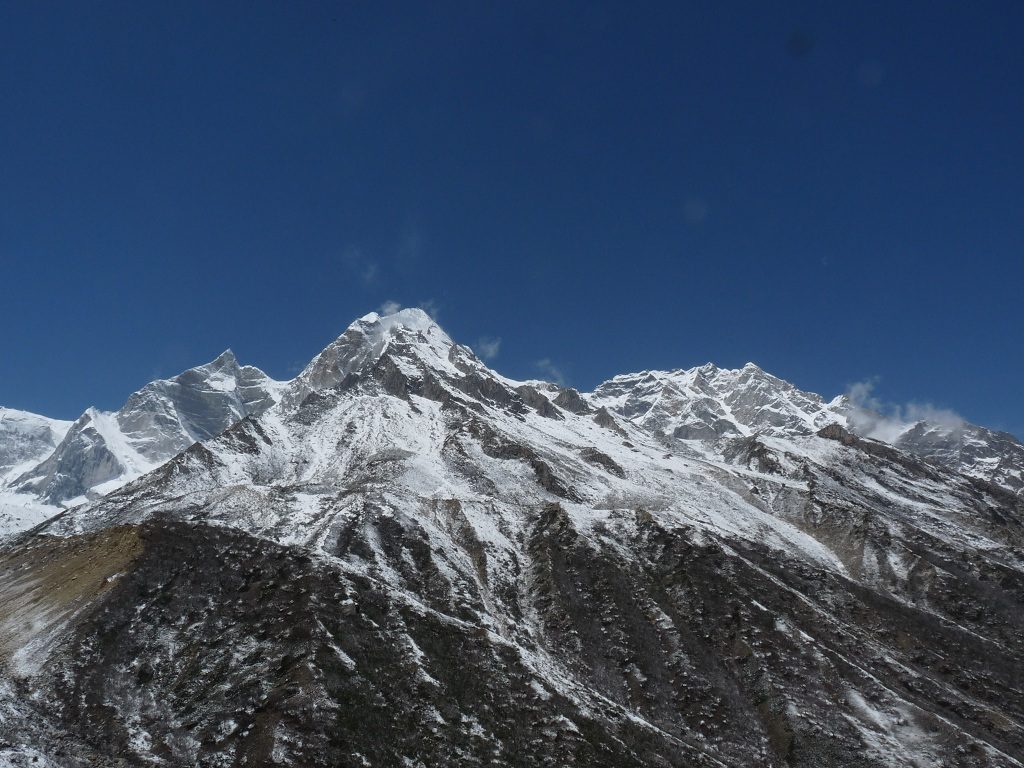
227, 357
380, 328
366, 341
377, 329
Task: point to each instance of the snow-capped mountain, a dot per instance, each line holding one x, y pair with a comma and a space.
101, 451
409, 559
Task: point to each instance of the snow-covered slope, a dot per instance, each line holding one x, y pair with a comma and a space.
101, 451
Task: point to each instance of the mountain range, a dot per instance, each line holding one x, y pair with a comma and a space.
401, 557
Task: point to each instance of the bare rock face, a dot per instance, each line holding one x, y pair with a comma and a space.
571, 400
407, 559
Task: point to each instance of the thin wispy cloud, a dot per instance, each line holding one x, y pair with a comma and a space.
550, 371
872, 417
431, 307
410, 246
369, 273
488, 348
389, 307
358, 263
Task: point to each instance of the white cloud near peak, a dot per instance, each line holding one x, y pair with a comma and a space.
551, 371
488, 348
871, 417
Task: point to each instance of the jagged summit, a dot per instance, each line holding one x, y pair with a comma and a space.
409, 334
227, 357
708, 402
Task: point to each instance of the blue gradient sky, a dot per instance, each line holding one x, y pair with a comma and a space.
835, 192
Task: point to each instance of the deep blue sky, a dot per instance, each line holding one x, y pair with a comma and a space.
834, 191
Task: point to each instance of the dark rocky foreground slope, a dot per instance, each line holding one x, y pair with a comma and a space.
192, 645
412, 561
